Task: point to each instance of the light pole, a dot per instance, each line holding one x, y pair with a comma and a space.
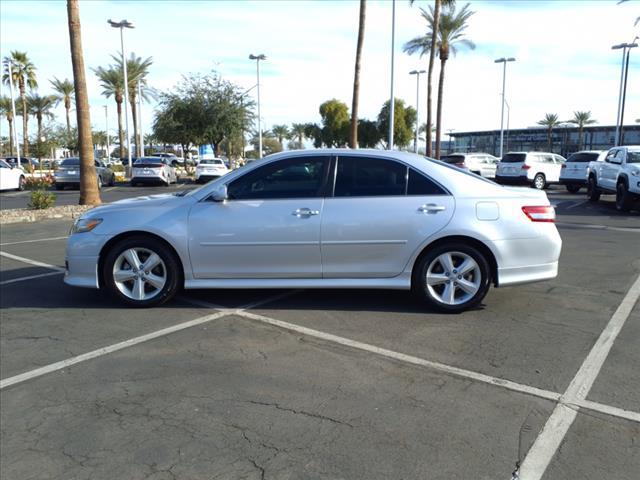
242, 95
106, 128
13, 111
140, 141
417, 74
121, 25
626, 50
392, 103
504, 76
508, 115
257, 58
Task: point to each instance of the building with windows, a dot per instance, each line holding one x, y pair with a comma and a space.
564, 139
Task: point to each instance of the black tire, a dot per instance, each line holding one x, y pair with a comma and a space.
593, 194
133, 184
100, 181
457, 250
171, 268
21, 183
623, 199
573, 188
60, 186
539, 181
112, 182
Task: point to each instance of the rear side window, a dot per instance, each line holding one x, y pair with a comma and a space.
514, 157
633, 157
70, 162
583, 157
369, 177
418, 184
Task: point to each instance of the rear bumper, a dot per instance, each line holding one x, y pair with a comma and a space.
148, 180
509, 180
528, 274
206, 177
573, 181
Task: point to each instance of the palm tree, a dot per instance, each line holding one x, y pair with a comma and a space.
64, 93
353, 137
24, 75
111, 81
280, 132
7, 111
449, 35
89, 194
298, 132
581, 119
550, 120
137, 71
40, 106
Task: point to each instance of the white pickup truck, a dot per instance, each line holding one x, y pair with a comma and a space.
619, 174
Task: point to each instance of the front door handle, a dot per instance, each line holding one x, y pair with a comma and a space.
431, 208
304, 212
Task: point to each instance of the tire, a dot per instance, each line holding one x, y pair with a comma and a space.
112, 182
539, 181
60, 186
133, 184
593, 194
573, 188
21, 183
442, 295
100, 181
623, 199
138, 291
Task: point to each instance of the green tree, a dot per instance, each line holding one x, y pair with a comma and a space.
353, 136
369, 135
270, 144
40, 106
23, 75
313, 130
6, 110
449, 37
403, 123
111, 81
581, 119
64, 93
335, 123
550, 120
280, 132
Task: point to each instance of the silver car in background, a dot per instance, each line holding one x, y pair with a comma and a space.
322, 219
153, 170
68, 174
481, 164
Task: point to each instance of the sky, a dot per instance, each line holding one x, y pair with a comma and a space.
564, 60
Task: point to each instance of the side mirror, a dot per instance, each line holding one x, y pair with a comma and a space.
219, 194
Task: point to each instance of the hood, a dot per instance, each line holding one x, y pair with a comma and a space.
146, 201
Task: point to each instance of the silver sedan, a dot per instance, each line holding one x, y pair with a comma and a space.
322, 219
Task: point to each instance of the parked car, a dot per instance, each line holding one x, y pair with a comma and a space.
537, 169
173, 159
479, 163
153, 170
573, 174
322, 219
25, 162
68, 174
619, 173
11, 178
210, 168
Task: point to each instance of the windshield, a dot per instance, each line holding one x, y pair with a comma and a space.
633, 157
514, 158
583, 157
70, 162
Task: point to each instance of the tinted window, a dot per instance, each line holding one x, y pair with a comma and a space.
6, 165
633, 157
453, 159
583, 157
420, 185
514, 157
71, 162
292, 178
369, 177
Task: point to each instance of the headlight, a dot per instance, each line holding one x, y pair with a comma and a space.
635, 173
85, 224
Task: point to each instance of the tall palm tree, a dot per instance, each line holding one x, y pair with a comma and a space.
111, 81
581, 119
550, 120
137, 71
280, 132
89, 194
353, 137
24, 75
449, 37
40, 106
64, 94
7, 111
298, 132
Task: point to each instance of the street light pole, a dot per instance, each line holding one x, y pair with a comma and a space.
504, 76
140, 140
626, 50
417, 74
508, 115
257, 58
121, 25
106, 123
392, 103
13, 111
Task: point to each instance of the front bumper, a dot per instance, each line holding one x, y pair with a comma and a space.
573, 181
81, 271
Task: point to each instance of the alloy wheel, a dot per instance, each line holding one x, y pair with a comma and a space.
453, 278
139, 273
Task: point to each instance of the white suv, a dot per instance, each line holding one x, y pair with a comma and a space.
481, 164
574, 173
538, 169
619, 173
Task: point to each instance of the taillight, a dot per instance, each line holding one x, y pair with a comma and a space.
540, 213
526, 167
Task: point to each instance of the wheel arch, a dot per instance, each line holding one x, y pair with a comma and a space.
623, 179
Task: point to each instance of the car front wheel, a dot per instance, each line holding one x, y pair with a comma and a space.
141, 272
539, 181
623, 199
21, 183
593, 194
452, 278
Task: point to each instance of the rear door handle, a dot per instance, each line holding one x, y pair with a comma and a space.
304, 212
431, 208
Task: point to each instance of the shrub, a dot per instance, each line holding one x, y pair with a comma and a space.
39, 183
116, 167
41, 199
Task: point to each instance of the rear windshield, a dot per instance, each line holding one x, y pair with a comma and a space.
70, 162
583, 157
148, 162
514, 157
211, 162
452, 159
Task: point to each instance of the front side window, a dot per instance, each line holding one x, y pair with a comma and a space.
369, 177
291, 178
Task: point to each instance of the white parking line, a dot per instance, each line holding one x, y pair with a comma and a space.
32, 241
31, 262
558, 424
588, 226
577, 204
30, 277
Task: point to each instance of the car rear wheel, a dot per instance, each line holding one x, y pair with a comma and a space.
623, 199
141, 272
21, 183
99, 182
593, 194
452, 278
539, 181
573, 188
112, 182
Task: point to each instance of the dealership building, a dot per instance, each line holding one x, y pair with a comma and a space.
564, 139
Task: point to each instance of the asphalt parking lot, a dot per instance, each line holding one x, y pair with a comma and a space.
325, 384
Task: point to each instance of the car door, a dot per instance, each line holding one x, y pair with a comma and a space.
381, 210
268, 228
5, 176
610, 168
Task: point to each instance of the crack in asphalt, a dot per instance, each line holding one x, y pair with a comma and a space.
300, 412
